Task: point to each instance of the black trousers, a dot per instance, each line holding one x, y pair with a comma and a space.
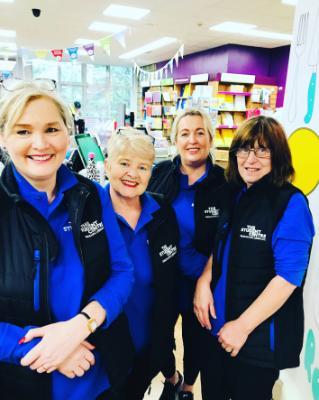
141, 376
191, 332
224, 377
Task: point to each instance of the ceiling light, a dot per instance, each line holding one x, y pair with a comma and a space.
7, 45
290, 2
115, 10
82, 42
249, 30
7, 33
235, 27
106, 27
148, 47
6, 1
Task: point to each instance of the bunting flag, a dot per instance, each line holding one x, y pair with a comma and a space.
73, 53
176, 58
106, 44
41, 54
6, 74
146, 75
58, 54
89, 48
120, 37
181, 51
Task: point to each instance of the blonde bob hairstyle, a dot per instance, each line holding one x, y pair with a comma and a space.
192, 112
14, 103
134, 144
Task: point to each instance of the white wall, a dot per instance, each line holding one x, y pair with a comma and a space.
301, 120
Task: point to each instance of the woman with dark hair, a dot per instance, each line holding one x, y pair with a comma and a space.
260, 261
189, 182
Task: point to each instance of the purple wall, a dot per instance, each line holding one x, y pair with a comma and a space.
278, 68
269, 65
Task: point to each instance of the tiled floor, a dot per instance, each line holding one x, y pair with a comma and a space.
157, 384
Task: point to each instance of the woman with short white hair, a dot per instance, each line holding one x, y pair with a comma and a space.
151, 235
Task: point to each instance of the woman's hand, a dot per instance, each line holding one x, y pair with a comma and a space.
59, 340
204, 302
79, 362
232, 336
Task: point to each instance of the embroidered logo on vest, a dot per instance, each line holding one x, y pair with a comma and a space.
211, 212
250, 232
168, 251
92, 228
68, 227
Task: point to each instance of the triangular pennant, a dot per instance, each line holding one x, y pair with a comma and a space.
58, 54
161, 73
41, 54
176, 59
181, 51
73, 53
165, 71
170, 64
89, 48
120, 37
106, 44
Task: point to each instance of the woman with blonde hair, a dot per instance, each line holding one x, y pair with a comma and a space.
189, 183
150, 232
64, 271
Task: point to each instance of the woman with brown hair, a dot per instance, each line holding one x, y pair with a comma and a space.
259, 267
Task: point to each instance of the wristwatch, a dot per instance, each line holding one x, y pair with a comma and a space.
91, 323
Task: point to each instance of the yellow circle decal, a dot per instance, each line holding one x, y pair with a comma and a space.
304, 146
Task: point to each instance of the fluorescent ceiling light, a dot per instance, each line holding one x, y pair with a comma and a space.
115, 10
106, 27
148, 47
81, 42
229, 26
7, 33
249, 30
7, 45
6, 1
290, 2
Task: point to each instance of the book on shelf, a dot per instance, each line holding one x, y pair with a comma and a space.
156, 110
239, 103
148, 110
148, 97
157, 96
227, 119
167, 123
166, 96
156, 123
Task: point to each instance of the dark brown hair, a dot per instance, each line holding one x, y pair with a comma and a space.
268, 132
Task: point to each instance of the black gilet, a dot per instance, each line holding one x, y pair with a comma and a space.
252, 220
22, 230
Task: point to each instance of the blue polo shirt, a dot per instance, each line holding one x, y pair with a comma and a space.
191, 262
291, 241
66, 281
140, 303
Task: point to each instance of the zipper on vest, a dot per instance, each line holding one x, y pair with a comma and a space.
272, 334
36, 280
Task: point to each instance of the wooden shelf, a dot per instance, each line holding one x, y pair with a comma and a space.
226, 127
234, 93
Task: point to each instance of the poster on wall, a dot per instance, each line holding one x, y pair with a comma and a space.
301, 121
